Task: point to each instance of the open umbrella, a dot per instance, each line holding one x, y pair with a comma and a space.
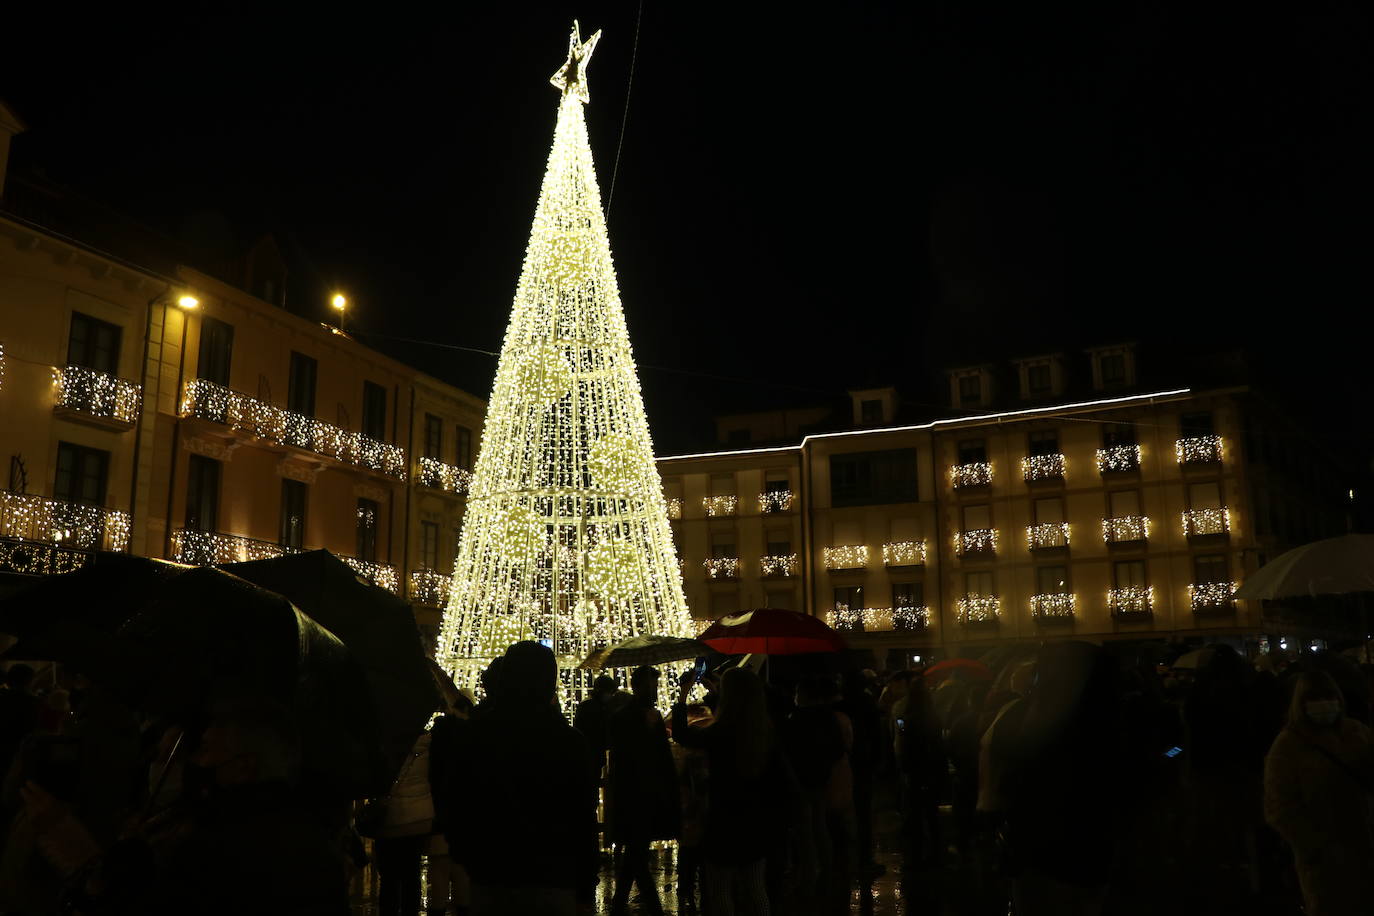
971, 667
1197, 658
1334, 566
771, 631
645, 649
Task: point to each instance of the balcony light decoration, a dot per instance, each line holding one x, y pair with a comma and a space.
1053, 606
906, 617
721, 567
847, 556
1211, 596
979, 609
77, 526
720, 506
904, 553
1131, 599
778, 566
31, 558
674, 508
1198, 450
1125, 528
775, 501
1118, 458
441, 476
210, 548
566, 537
1201, 522
429, 587
1047, 534
974, 474
976, 540
382, 575
870, 619
1042, 467
97, 393
210, 401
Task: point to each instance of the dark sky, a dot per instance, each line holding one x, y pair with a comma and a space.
805, 200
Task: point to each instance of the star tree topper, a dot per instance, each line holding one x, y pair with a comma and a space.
572, 76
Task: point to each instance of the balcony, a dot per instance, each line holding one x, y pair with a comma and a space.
33, 558
382, 575
971, 476
210, 548
1198, 450
878, 619
429, 587
1041, 468
848, 556
720, 506
976, 542
979, 610
1048, 536
208, 401
1127, 529
904, 553
1118, 459
1053, 608
1204, 523
780, 566
910, 618
721, 567
775, 501
1131, 602
674, 507
1212, 597
437, 475
73, 526
87, 394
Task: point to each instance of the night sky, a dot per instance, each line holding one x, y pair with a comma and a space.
804, 202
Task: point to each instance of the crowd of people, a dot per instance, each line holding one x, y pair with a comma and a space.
1063, 781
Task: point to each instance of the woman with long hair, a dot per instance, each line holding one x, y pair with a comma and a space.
750, 788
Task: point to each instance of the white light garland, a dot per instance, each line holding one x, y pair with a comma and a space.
908, 617
719, 506
1131, 599
904, 553
976, 609
1198, 450
674, 508
877, 619
210, 548
721, 567
1053, 605
1042, 467
382, 575
429, 587
846, 556
778, 566
97, 394
1211, 596
1125, 529
207, 400
775, 501
974, 474
1047, 534
53, 521
31, 558
976, 540
1118, 458
1201, 522
438, 475
566, 538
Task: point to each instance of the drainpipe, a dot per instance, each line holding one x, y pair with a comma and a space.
804, 497
410, 496
176, 430
143, 407
939, 541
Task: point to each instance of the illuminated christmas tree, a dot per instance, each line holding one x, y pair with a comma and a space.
566, 538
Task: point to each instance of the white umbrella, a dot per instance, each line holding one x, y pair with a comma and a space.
1335, 566
1195, 659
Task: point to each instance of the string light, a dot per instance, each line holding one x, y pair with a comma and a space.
1211, 596
97, 393
976, 609
775, 501
1131, 599
1200, 522
909, 617
904, 553
1055, 605
34, 559
53, 521
721, 567
1118, 458
1047, 534
440, 476
778, 566
847, 556
382, 575
674, 508
1198, 450
207, 400
566, 537
976, 540
1042, 467
719, 506
1126, 528
973, 474
210, 548
2, 366
429, 587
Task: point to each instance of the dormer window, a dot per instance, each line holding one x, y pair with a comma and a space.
871, 412
1113, 370
1113, 367
1038, 379
970, 389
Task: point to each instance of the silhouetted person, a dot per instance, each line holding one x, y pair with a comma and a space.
642, 790
858, 704
527, 826
922, 766
593, 716
448, 881
18, 712
1317, 783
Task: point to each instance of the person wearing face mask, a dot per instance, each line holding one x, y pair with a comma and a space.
1319, 796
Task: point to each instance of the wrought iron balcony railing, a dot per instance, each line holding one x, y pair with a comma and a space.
976, 542
1212, 597
878, 619
775, 501
779, 566
1042, 467
720, 506
973, 610
909, 617
1125, 529
382, 575
904, 553
35, 558
1118, 458
1198, 450
54, 521
216, 403
211, 548
845, 556
1205, 522
97, 394
1053, 607
973, 474
438, 475
429, 587
1047, 535
1131, 600
721, 567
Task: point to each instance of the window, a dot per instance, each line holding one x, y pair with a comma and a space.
1114, 434
907, 594
429, 545
1124, 503
868, 478
1204, 495
1049, 511
1210, 568
464, 456
1038, 379
722, 484
434, 437
1193, 425
216, 351
850, 596
977, 517
904, 530
777, 482
973, 451
723, 545
293, 514
1052, 580
367, 530
870, 412
81, 474
1129, 573
374, 411
1043, 442
979, 583
970, 389
202, 494
1113, 369
300, 396
779, 544
94, 344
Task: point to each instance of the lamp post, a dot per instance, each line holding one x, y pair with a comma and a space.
340, 303
186, 303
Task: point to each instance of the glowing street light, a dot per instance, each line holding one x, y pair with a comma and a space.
188, 302
340, 303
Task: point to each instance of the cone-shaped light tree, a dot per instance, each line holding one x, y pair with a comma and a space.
566, 537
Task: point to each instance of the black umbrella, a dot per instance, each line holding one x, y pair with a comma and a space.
378, 628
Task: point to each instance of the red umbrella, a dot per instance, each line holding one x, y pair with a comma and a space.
970, 666
771, 631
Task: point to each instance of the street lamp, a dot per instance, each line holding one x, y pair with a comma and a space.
340, 303
188, 302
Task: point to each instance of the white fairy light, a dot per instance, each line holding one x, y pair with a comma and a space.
976, 540
845, 556
1126, 528
775, 501
674, 508
97, 393
566, 538
1198, 450
1047, 534
778, 566
909, 617
973, 474
721, 567
975, 609
441, 476
720, 506
1118, 458
1131, 599
904, 553
1042, 467
1051, 606
1211, 596
52, 521
429, 587
1200, 522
